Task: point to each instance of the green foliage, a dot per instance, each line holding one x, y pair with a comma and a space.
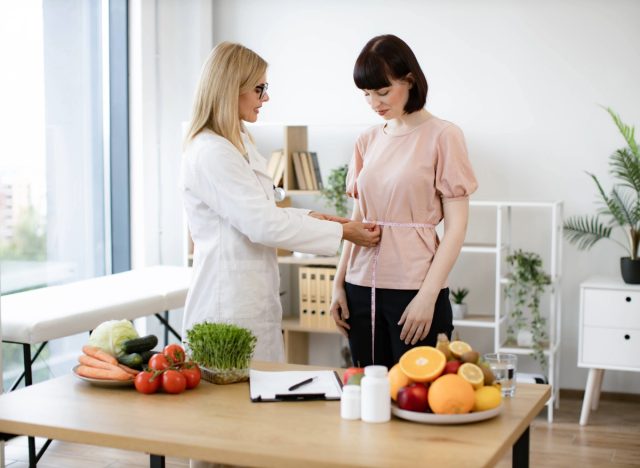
335, 190
29, 240
621, 206
458, 295
526, 284
221, 345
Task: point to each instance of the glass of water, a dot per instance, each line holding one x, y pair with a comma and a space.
504, 366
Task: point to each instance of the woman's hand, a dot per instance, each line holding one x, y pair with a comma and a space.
328, 217
417, 318
364, 234
339, 310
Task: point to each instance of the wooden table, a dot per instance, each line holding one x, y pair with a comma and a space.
220, 424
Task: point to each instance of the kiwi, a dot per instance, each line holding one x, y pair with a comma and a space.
488, 375
470, 356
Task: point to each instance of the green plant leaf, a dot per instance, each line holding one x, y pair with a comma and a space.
585, 231
627, 132
626, 167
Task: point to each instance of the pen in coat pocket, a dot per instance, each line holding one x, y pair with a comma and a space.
300, 384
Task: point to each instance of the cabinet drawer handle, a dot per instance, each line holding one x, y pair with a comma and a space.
627, 337
628, 299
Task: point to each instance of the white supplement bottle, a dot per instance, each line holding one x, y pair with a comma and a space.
350, 402
375, 395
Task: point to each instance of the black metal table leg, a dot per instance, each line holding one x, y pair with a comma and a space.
166, 330
156, 461
168, 327
520, 452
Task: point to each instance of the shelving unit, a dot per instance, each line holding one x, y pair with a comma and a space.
295, 139
501, 249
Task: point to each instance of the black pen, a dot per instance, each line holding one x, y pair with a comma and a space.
300, 384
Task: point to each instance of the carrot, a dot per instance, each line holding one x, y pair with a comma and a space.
99, 354
95, 373
93, 362
128, 369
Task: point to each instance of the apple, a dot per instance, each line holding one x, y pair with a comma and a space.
414, 397
452, 367
355, 379
351, 371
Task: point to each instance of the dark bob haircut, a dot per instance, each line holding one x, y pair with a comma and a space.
386, 58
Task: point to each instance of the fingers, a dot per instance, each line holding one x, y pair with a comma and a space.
340, 314
338, 219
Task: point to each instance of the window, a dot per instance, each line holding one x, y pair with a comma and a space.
56, 167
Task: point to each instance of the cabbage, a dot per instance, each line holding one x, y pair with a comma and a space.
109, 336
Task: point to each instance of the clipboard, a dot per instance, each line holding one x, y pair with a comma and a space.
265, 386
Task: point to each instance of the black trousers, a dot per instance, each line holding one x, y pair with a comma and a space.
390, 305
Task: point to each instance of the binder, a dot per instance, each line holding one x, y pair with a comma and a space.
328, 287
303, 286
266, 386
323, 309
313, 297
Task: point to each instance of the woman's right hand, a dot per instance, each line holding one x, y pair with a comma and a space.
339, 310
364, 234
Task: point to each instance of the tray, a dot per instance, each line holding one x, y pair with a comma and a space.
104, 382
430, 418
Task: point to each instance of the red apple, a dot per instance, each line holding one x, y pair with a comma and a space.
351, 371
451, 367
414, 397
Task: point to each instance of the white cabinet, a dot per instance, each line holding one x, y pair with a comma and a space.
609, 333
499, 249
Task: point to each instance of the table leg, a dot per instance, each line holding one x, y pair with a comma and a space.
156, 461
596, 391
520, 451
588, 396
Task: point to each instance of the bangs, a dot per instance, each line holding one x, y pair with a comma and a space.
371, 71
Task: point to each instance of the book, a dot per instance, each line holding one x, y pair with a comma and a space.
278, 176
316, 170
299, 170
308, 171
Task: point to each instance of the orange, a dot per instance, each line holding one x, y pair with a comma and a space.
397, 380
423, 363
472, 374
451, 394
458, 348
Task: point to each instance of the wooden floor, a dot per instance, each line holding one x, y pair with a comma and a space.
612, 439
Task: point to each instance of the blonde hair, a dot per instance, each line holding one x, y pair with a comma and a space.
230, 70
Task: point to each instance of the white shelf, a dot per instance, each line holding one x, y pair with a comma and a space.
293, 260
476, 321
482, 248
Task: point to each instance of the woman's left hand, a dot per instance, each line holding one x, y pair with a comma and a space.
417, 318
327, 217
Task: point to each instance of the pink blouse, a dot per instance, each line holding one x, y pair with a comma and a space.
406, 178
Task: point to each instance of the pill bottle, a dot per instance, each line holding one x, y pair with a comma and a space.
375, 396
350, 402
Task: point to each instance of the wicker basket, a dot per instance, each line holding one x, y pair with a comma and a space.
224, 376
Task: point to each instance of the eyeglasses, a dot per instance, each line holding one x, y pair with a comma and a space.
263, 89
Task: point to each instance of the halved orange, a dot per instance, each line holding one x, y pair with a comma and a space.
397, 380
458, 348
472, 374
423, 363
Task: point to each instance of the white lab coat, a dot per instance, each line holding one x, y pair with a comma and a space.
236, 227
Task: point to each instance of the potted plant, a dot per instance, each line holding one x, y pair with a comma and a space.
526, 283
222, 350
458, 306
621, 206
335, 191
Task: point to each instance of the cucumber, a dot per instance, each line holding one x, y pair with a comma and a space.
146, 355
132, 360
138, 345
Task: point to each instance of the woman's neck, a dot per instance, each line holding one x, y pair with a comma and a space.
408, 121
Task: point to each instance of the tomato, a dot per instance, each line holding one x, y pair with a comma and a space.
159, 362
174, 353
147, 382
173, 381
192, 373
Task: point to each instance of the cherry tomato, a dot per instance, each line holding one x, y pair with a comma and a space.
192, 373
159, 362
147, 382
173, 381
174, 353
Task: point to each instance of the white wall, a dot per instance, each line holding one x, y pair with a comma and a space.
523, 80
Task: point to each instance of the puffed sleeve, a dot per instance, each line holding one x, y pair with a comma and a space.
355, 166
454, 174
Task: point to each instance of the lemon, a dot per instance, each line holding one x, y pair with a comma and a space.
458, 348
472, 374
487, 398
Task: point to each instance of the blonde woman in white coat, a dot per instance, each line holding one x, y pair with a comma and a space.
232, 215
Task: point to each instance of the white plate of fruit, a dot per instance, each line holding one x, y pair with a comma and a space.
448, 384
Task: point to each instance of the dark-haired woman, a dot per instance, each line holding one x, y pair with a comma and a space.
407, 174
